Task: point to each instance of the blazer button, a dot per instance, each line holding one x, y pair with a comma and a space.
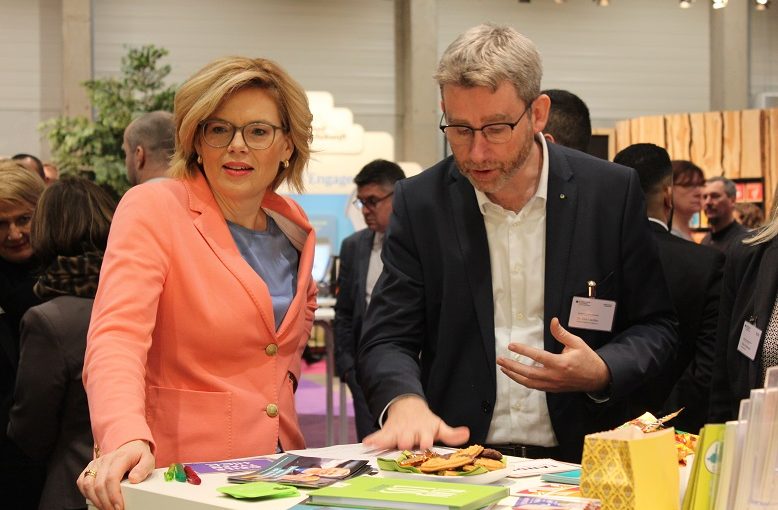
272, 410
486, 406
271, 350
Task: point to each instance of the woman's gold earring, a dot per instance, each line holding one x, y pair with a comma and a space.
199, 159
286, 163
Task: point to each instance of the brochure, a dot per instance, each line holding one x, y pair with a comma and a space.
551, 502
572, 477
551, 489
307, 472
534, 467
375, 492
231, 466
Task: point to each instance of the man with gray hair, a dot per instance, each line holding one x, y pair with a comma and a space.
522, 299
149, 142
718, 202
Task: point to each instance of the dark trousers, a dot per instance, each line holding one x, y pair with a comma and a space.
363, 419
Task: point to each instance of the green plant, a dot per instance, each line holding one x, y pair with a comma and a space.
94, 147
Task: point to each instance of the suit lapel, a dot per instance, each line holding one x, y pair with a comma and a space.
561, 206
213, 228
474, 247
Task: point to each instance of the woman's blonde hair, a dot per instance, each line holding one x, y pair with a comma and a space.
18, 186
766, 233
202, 94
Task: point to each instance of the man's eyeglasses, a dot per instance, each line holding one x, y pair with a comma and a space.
256, 135
496, 132
21, 221
370, 202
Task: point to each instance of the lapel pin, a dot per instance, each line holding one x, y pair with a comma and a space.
562, 196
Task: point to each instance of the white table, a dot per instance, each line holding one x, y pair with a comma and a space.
156, 494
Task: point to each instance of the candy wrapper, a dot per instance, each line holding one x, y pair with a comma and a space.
685, 443
647, 422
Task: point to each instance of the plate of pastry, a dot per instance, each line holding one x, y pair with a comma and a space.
474, 464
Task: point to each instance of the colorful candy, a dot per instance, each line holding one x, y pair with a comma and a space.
179, 473
191, 476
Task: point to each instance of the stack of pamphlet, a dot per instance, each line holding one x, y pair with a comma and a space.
736, 464
375, 492
306, 472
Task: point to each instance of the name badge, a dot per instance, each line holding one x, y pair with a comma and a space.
591, 313
749, 340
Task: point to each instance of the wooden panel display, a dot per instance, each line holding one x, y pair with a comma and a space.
711, 162
751, 156
771, 160
736, 144
697, 147
679, 135
730, 158
623, 135
651, 129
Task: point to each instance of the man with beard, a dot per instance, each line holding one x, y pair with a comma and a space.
522, 298
360, 266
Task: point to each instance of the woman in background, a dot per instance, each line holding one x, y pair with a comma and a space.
688, 181
49, 420
206, 298
749, 215
19, 193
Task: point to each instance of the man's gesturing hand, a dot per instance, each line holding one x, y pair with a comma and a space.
576, 368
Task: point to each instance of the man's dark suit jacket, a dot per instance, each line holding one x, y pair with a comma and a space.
693, 275
349, 312
748, 293
50, 417
430, 327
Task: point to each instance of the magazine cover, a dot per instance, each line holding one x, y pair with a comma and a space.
307, 472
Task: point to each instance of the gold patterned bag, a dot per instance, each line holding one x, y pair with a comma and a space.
628, 469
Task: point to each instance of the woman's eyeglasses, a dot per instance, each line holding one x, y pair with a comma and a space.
256, 135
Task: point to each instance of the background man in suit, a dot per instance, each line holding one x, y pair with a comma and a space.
718, 202
486, 263
568, 123
149, 142
693, 274
360, 265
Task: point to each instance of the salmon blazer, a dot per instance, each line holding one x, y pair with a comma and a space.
182, 349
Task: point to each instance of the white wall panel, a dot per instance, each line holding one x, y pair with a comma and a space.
635, 57
764, 51
342, 46
30, 71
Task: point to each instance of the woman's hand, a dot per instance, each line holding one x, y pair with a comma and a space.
99, 482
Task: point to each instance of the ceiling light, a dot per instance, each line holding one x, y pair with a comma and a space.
761, 5
602, 3
685, 4
719, 4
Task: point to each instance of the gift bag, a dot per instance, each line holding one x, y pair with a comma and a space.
628, 469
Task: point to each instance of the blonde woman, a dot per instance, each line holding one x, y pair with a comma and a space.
206, 298
748, 294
